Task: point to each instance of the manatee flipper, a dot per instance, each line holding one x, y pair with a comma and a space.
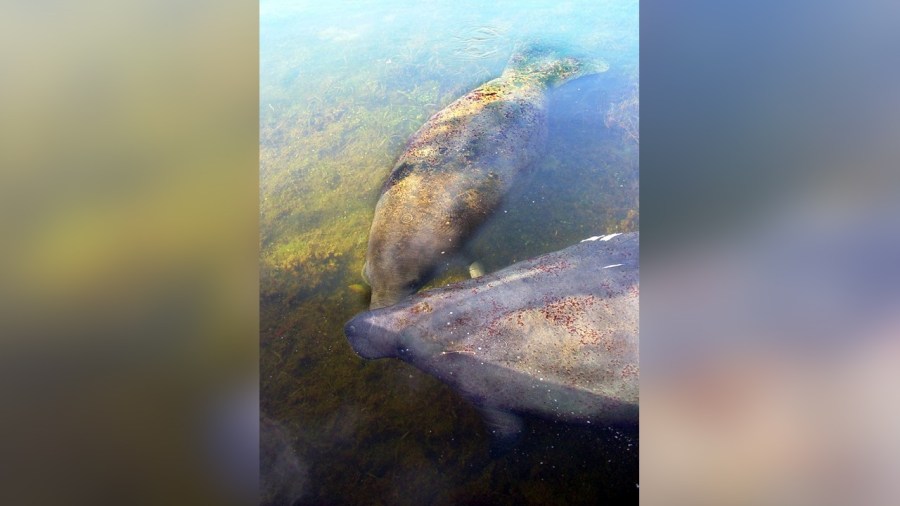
503, 426
467, 257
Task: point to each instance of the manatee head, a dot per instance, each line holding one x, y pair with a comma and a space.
397, 277
389, 332
369, 338
402, 257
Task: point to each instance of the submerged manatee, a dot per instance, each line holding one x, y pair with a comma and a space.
457, 167
555, 336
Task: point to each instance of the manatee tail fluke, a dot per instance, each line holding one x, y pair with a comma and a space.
551, 65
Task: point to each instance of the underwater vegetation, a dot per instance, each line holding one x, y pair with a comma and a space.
625, 114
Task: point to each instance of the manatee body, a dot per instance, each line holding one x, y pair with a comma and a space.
456, 169
555, 336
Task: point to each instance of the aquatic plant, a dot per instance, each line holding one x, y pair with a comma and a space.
625, 115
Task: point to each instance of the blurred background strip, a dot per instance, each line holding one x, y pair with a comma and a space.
128, 322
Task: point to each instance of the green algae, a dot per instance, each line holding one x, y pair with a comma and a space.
624, 112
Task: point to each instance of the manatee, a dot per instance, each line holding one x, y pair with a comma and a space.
457, 167
555, 336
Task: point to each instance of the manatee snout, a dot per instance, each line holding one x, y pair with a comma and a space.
392, 286
367, 339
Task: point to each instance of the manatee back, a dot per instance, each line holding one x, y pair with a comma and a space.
569, 320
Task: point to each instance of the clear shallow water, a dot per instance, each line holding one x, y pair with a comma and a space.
342, 87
